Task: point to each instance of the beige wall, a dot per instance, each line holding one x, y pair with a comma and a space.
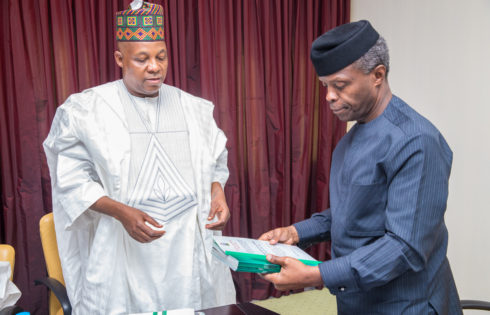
440, 65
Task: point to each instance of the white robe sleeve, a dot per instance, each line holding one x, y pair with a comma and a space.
75, 184
220, 154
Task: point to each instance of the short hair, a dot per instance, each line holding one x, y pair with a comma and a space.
375, 56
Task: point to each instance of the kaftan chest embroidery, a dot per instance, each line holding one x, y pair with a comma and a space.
160, 189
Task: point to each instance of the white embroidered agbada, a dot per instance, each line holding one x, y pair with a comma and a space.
89, 156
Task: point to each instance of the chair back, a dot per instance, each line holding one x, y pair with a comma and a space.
52, 258
7, 253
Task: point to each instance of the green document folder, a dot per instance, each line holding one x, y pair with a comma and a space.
249, 255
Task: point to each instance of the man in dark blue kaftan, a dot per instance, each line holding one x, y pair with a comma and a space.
388, 192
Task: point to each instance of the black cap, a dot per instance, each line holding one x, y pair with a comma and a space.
341, 46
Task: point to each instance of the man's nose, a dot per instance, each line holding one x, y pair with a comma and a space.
153, 66
331, 96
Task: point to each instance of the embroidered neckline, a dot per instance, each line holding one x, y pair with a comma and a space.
147, 122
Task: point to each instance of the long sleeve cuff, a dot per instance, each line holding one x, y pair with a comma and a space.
221, 173
308, 232
221, 180
338, 277
75, 206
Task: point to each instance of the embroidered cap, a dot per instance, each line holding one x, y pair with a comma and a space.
341, 46
142, 21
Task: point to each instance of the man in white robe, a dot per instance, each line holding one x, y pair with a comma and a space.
137, 170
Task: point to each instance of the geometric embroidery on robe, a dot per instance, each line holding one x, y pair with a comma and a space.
160, 190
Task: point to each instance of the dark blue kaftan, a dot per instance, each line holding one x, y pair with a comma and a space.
388, 193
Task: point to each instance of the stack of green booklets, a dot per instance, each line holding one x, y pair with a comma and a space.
248, 255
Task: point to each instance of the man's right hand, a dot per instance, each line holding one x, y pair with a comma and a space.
133, 220
287, 235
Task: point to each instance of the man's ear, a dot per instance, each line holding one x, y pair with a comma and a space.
118, 56
379, 74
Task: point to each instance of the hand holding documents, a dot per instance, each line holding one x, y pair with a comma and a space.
249, 255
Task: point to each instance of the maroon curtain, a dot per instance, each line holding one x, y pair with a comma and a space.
251, 58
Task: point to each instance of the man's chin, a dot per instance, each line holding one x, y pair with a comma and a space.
153, 90
343, 118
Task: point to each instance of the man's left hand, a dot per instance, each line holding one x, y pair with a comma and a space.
293, 275
219, 208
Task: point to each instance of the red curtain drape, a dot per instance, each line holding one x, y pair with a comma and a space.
251, 58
